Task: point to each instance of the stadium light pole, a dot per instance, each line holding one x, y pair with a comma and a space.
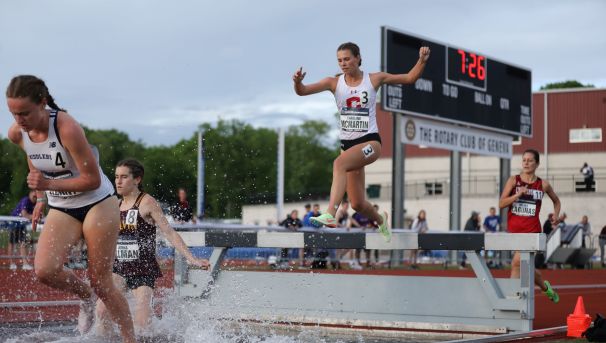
280, 178
200, 199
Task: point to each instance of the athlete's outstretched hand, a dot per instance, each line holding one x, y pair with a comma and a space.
199, 262
424, 53
299, 75
37, 214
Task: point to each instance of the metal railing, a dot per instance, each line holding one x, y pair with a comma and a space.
481, 185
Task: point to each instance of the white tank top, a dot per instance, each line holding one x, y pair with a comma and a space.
357, 108
51, 158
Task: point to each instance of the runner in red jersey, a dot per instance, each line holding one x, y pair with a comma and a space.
523, 214
523, 195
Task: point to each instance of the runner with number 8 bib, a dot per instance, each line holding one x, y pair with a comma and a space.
355, 94
135, 267
523, 196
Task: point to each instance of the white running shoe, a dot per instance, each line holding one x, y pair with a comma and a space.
86, 317
13, 266
27, 266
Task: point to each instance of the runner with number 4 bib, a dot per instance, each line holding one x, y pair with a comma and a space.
523, 196
355, 94
65, 172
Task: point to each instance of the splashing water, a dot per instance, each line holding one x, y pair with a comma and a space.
191, 321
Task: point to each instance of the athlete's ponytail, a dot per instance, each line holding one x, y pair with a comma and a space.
29, 86
136, 169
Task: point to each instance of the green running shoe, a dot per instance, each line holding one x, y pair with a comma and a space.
550, 293
384, 229
325, 219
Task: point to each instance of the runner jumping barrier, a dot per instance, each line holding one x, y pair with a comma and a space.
381, 302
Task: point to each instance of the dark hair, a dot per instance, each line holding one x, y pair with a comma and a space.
135, 167
533, 152
29, 86
353, 47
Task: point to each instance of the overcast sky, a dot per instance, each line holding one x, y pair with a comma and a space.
157, 69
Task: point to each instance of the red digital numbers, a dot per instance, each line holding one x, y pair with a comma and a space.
476, 68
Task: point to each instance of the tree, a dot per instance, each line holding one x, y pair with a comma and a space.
13, 174
566, 84
240, 165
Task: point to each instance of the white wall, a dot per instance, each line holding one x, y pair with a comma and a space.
574, 204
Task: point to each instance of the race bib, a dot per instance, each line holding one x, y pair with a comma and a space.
127, 250
354, 119
524, 209
66, 175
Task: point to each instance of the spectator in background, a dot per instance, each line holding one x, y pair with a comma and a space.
293, 223
587, 172
313, 213
342, 215
562, 220
305, 212
586, 227
359, 220
17, 233
492, 222
419, 225
547, 226
472, 224
182, 212
602, 244
343, 221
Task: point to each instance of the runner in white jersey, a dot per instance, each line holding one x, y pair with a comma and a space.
355, 93
80, 197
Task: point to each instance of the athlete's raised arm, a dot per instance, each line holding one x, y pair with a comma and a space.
557, 205
381, 78
326, 84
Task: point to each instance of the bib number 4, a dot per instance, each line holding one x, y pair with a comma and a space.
59, 161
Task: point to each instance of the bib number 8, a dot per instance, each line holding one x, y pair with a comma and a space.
131, 217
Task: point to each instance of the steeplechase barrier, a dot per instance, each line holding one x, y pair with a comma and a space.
482, 304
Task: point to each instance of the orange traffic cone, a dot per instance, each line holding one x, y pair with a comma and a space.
578, 321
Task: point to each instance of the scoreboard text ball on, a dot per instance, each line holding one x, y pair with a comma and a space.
457, 86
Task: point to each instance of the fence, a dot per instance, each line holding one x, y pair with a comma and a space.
479, 185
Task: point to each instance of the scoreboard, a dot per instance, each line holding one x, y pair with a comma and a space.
457, 86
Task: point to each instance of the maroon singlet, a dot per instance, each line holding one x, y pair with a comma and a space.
136, 248
523, 214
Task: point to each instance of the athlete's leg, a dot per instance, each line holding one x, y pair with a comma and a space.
353, 158
356, 193
515, 272
60, 233
143, 308
100, 230
103, 321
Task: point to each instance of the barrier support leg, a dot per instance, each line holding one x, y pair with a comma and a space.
499, 301
214, 268
527, 282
